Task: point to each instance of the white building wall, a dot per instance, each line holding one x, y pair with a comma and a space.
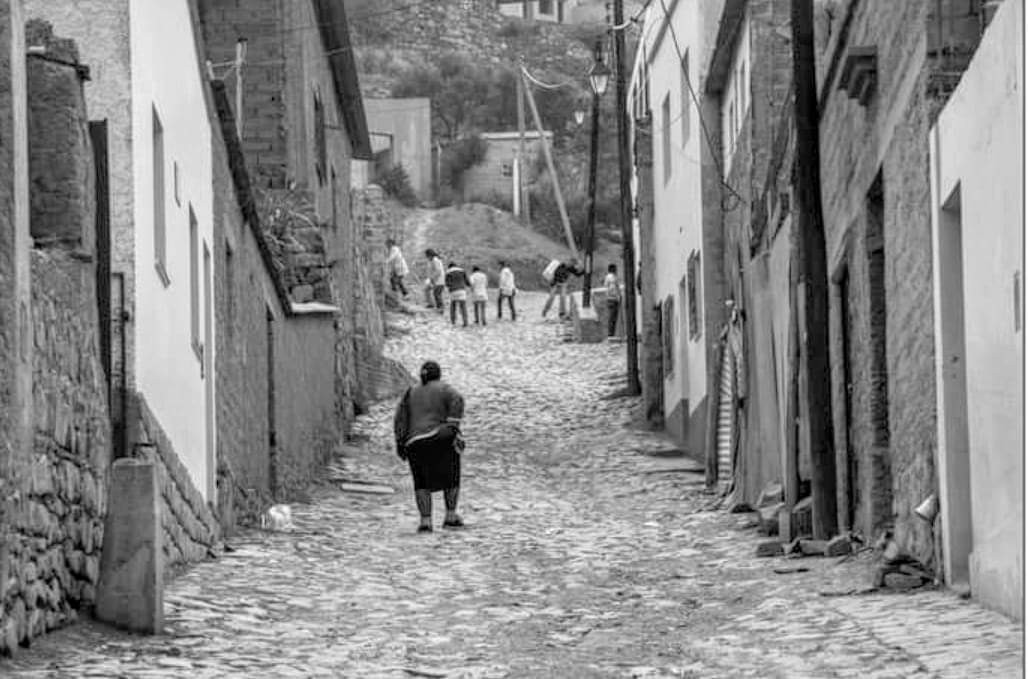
165, 75
735, 100
677, 201
977, 147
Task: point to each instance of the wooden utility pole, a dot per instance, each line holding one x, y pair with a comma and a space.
521, 207
627, 247
551, 167
590, 233
240, 60
815, 408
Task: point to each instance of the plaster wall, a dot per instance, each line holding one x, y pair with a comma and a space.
976, 152
166, 78
678, 218
409, 121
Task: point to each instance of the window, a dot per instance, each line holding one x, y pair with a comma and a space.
693, 283
685, 98
175, 183
160, 242
230, 294
546, 6
667, 335
194, 283
665, 134
320, 145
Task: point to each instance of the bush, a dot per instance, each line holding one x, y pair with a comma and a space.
458, 157
396, 182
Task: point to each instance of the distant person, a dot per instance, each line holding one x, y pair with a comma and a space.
457, 283
613, 287
436, 277
397, 267
479, 293
507, 291
559, 285
427, 431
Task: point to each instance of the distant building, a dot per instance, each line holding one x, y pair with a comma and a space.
494, 176
403, 127
553, 11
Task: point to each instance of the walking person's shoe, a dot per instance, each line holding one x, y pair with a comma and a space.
453, 522
423, 528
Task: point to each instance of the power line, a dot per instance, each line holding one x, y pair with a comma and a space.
699, 109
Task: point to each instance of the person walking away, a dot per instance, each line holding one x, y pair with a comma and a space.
457, 283
613, 288
397, 267
507, 291
479, 293
559, 286
428, 437
436, 277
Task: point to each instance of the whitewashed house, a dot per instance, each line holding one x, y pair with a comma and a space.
978, 245
149, 83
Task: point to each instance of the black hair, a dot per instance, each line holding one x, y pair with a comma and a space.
612, 268
503, 263
475, 268
430, 252
452, 263
430, 371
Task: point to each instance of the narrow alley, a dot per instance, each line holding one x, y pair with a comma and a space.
587, 554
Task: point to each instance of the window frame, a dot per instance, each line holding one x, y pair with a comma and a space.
159, 198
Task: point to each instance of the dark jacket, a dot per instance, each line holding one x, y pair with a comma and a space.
424, 409
565, 271
457, 279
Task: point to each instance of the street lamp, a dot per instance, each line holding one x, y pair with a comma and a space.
579, 116
599, 77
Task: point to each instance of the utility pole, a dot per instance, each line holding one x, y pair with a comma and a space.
551, 167
816, 427
521, 210
590, 238
627, 247
240, 60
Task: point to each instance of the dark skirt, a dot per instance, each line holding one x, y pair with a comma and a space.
434, 464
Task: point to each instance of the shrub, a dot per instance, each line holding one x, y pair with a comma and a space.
396, 182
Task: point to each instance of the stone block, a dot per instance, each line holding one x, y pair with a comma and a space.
131, 588
838, 546
769, 519
770, 548
813, 547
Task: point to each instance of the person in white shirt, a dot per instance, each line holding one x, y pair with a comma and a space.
613, 288
397, 266
436, 277
507, 292
479, 293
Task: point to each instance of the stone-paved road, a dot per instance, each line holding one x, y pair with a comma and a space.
583, 557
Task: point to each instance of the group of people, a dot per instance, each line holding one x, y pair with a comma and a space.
454, 281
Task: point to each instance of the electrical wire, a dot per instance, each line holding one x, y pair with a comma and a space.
703, 125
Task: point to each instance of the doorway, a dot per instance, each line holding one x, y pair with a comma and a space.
851, 471
270, 372
954, 449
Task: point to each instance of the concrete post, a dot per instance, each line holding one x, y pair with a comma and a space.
652, 370
131, 590
16, 345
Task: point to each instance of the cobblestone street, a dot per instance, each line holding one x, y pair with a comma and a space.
586, 555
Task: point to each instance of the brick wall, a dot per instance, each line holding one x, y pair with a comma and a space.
888, 136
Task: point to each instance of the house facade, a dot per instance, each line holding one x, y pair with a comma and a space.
977, 221
494, 177
404, 126
552, 11
152, 95
683, 253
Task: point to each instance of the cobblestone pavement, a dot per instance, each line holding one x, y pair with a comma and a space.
584, 556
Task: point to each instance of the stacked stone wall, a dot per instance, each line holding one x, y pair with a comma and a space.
54, 531
53, 557
189, 526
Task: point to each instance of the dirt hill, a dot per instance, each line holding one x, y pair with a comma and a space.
476, 234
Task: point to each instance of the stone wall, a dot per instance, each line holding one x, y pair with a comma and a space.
54, 532
888, 138
190, 528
